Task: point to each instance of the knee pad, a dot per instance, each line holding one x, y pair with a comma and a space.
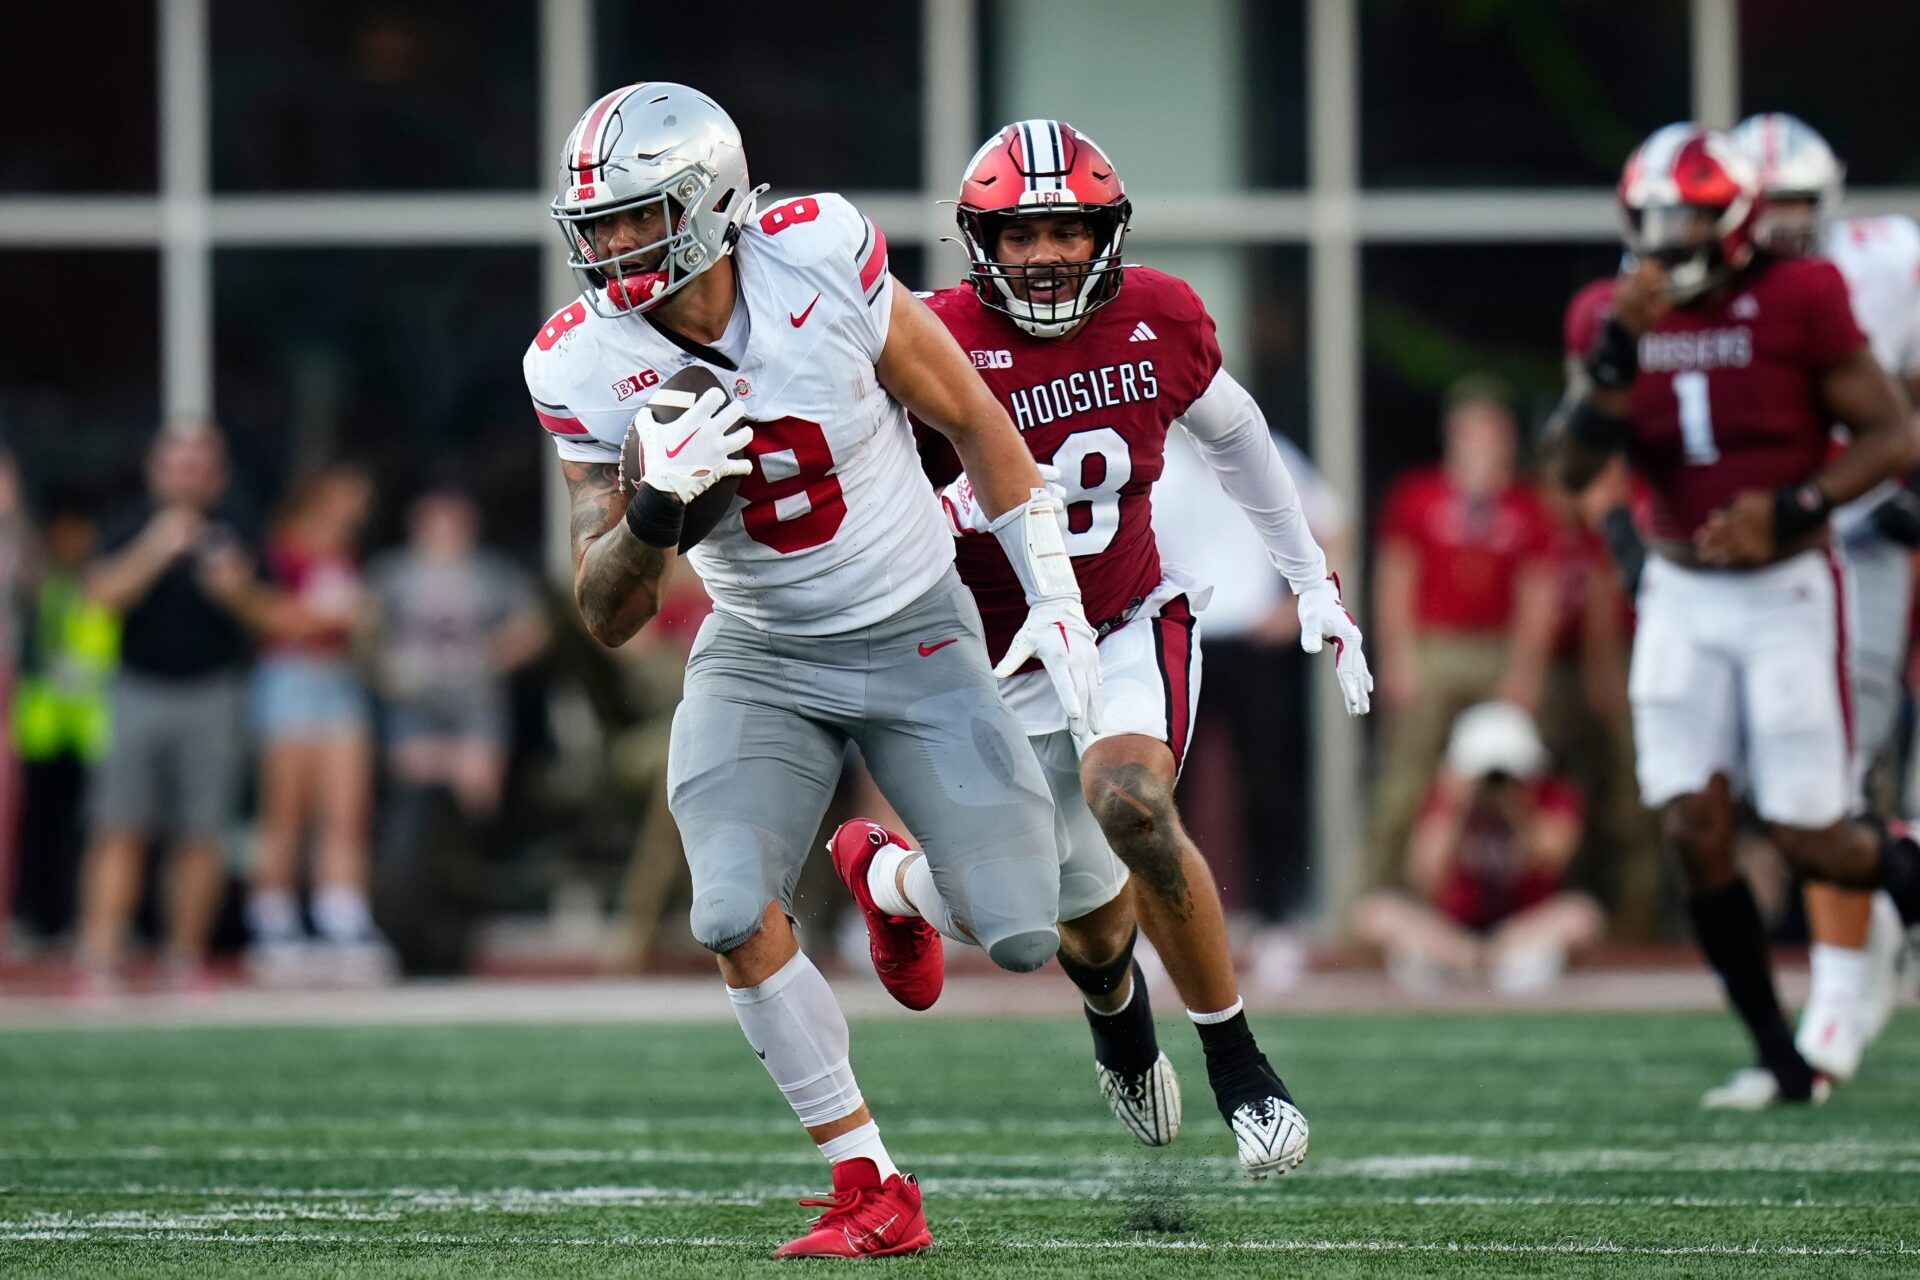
1100, 980
1011, 907
1024, 952
724, 917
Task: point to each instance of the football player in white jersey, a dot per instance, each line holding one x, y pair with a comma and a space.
1857, 935
837, 613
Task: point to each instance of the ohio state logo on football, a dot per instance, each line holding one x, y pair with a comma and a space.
635, 383
1086, 389
992, 359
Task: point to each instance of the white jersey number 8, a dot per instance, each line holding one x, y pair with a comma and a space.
1094, 466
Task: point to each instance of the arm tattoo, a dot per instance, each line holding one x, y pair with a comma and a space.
617, 578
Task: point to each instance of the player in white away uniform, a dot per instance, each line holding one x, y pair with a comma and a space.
837, 614
1857, 936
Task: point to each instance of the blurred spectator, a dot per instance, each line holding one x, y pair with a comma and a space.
176, 568
68, 648
1585, 724
1484, 892
13, 552
313, 725
1244, 791
451, 622
1465, 606
653, 666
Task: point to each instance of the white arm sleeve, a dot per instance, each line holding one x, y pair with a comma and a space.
1230, 432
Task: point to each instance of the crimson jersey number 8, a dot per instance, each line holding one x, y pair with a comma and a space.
1094, 466
794, 501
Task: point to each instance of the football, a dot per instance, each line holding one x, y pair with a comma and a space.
707, 510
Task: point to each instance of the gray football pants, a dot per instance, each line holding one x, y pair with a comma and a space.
756, 754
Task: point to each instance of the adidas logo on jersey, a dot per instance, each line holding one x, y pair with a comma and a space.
1142, 334
1744, 307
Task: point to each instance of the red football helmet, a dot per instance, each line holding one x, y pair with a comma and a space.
1033, 168
1690, 198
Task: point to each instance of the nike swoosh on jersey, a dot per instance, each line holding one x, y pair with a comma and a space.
675, 451
928, 650
802, 317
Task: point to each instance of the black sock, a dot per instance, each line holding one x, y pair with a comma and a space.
1236, 1068
1727, 923
1900, 873
1125, 1041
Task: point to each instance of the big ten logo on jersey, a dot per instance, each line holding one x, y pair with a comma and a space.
992, 359
635, 384
1083, 390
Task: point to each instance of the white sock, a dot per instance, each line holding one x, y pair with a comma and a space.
1838, 973
855, 1143
795, 1025
273, 915
921, 898
341, 914
1213, 1019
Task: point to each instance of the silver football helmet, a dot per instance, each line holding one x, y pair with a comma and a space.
1795, 165
652, 144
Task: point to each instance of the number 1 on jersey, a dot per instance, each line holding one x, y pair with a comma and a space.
1696, 418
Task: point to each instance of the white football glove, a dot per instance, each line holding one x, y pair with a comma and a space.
1322, 618
966, 516
1056, 632
687, 456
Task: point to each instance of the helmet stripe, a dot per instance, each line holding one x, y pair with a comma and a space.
592, 134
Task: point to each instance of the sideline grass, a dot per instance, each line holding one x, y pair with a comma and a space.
1464, 1144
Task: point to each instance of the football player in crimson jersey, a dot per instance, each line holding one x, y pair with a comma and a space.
1717, 372
1096, 362
837, 614
1856, 936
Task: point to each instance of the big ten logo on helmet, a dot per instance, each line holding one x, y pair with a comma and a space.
992, 359
635, 384
1100, 388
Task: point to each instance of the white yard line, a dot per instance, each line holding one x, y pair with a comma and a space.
273, 1204
1836, 1156
1595, 1248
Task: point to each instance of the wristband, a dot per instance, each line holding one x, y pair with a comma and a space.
1615, 357
1798, 509
654, 517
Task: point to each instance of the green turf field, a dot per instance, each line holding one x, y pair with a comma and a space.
1442, 1145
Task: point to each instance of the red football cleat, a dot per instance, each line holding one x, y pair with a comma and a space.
906, 949
864, 1218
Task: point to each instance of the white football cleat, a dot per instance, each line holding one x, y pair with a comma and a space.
1886, 949
1831, 1038
1271, 1134
1756, 1089
1147, 1104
